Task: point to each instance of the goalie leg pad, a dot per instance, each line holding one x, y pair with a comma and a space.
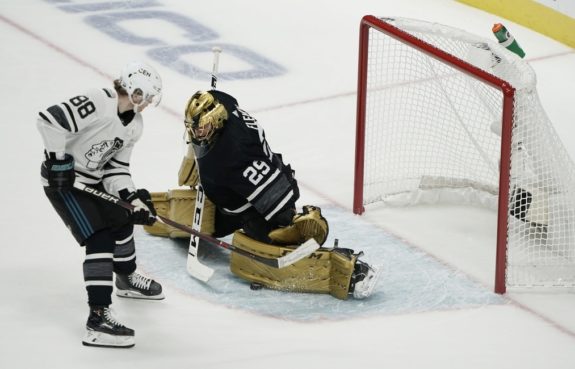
188, 173
162, 206
179, 206
305, 225
308, 275
342, 267
324, 271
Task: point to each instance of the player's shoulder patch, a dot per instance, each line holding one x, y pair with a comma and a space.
104, 100
110, 93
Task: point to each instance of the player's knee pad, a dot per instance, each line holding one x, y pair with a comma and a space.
305, 225
324, 271
179, 205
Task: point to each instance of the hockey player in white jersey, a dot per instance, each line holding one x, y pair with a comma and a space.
89, 138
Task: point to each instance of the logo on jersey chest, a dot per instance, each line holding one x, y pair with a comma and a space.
101, 152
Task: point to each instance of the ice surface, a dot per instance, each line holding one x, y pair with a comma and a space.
411, 280
433, 308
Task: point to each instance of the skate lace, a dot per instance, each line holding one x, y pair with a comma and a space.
110, 318
139, 281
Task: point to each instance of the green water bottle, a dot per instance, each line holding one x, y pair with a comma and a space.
506, 39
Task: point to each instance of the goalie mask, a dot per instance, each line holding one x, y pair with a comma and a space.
204, 116
142, 83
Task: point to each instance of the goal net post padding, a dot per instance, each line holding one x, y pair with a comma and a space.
445, 116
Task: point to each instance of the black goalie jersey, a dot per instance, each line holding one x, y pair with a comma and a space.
239, 172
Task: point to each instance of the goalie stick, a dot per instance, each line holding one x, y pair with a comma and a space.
300, 252
216, 50
195, 268
193, 265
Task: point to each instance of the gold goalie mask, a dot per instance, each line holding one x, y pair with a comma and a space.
204, 116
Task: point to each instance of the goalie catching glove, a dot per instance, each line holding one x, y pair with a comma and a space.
179, 205
305, 225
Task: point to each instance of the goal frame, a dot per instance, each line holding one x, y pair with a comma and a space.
369, 22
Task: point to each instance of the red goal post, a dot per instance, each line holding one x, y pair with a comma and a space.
438, 112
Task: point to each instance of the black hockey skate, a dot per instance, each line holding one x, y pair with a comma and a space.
104, 330
137, 286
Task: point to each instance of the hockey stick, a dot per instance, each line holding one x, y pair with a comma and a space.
216, 50
195, 268
301, 252
193, 265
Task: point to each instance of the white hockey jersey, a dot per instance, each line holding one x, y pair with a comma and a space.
89, 128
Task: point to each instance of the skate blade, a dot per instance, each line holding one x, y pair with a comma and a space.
99, 339
137, 295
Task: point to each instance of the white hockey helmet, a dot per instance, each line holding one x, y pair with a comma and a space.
140, 79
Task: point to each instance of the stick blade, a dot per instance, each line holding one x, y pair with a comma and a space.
198, 270
301, 252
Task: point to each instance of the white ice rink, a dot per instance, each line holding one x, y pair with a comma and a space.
292, 64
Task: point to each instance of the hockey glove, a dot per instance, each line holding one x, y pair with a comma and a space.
61, 175
144, 212
307, 224
283, 217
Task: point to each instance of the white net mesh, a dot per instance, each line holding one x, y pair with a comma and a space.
433, 134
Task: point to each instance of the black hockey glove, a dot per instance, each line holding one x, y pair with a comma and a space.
283, 217
61, 175
144, 212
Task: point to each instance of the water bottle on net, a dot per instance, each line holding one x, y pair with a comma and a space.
507, 40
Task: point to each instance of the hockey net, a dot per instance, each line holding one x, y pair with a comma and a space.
447, 116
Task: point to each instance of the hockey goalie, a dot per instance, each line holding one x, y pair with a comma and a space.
252, 194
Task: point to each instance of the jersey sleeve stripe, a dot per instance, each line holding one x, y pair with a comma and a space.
111, 167
108, 92
71, 116
120, 162
238, 210
83, 174
109, 175
280, 205
266, 183
272, 195
43, 116
59, 116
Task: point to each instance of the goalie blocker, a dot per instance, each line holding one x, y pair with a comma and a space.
336, 271
178, 205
